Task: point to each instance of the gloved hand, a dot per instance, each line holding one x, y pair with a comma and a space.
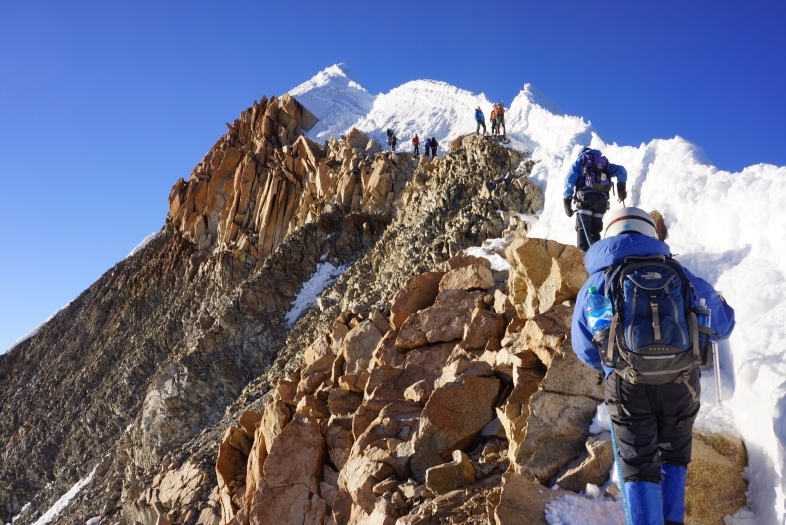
568, 207
622, 193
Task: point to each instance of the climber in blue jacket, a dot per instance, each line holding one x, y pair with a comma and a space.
480, 119
653, 423
588, 184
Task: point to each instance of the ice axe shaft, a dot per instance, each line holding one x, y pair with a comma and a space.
716, 366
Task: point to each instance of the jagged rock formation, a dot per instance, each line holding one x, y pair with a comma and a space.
134, 383
415, 421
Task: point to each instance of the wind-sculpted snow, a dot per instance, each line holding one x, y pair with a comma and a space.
729, 228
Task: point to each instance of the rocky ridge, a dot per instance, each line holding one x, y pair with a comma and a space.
145, 369
446, 407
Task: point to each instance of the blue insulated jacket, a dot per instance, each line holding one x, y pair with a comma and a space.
479, 115
613, 250
577, 170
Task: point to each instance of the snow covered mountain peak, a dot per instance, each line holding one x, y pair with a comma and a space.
537, 97
335, 74
335, 98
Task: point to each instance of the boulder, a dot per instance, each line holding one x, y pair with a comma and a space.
594, 466
418, 292
522, 501
342, 402
357, 139
289, 489
450, 476
557, 428
543, 273
255, 464
418, 392
514, 412
461, 261
230, 462
358, 478
339, 442
379, 183
660, 225
453, 416
543, 333
503, 305
358, 347
319, 354
482, 327
472, 277
444, 321
275, 418
386, 353
249, 421
716, 483
568, 375
457, 142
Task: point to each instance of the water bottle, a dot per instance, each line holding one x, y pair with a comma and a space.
703, 316
599, 313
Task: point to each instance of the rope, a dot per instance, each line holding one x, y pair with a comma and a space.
618, 465
581, 220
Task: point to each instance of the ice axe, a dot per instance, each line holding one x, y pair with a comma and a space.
716, 366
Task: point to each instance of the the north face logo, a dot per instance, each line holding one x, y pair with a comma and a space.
651, 275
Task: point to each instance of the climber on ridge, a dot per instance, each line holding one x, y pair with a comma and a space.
588, 184
392, 139
493, 119
500, 114
652, 402
481, 120
416, 144
433, 143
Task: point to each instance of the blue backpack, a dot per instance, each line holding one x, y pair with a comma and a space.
596, 171
654, 334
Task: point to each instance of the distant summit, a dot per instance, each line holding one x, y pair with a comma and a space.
336, 98
536, 96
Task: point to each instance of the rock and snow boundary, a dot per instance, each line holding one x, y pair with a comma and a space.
729, 228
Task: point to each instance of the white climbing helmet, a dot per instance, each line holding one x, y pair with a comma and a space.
629, 220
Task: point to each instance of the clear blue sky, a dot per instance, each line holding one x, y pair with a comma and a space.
104, 105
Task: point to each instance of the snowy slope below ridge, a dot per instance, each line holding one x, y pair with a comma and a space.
729, 228
335, 98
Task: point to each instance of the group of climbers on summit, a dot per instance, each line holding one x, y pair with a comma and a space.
647, 325
497, 120
430, 145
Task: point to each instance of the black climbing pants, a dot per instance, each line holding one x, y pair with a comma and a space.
654, 424
591, 205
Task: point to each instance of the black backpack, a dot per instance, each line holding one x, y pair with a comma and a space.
654, 334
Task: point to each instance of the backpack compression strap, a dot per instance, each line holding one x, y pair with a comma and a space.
694, 325
609, 361
655, 319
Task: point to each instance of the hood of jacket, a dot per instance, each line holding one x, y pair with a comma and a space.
613, 250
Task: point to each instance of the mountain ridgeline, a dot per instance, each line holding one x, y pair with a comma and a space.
144, 372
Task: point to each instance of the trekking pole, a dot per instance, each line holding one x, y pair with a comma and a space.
583, 228
716, 365
618, 465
